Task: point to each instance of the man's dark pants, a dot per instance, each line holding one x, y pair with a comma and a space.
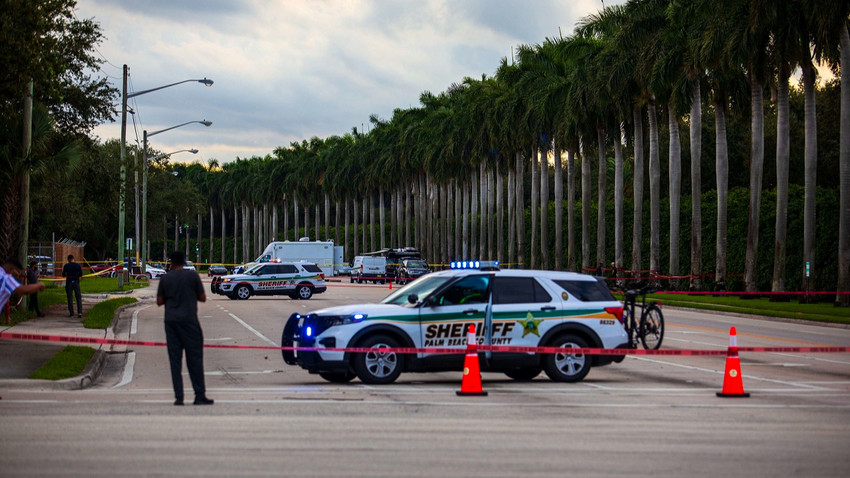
72, 286
186, 336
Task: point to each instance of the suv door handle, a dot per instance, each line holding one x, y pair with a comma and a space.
547, 308
470, 311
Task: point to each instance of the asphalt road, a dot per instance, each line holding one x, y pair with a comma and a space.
655, 416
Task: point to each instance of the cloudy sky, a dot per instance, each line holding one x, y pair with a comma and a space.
287, 70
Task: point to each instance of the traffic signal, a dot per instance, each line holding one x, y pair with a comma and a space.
197, 247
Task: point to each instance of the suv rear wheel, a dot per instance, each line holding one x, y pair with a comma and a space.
303, 291
335, 377
565, 366
378, 367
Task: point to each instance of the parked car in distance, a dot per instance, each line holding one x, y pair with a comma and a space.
369, 268
154, 272
413, 268
217, 270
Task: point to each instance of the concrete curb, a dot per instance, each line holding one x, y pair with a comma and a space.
89, 374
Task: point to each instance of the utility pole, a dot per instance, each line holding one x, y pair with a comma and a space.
122, 184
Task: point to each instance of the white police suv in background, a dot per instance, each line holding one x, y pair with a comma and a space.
298, 280
508, 307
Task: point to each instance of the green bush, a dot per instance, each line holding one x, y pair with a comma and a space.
101, 315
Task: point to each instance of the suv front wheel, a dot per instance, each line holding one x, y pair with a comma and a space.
243, 292
378, 366
565, 366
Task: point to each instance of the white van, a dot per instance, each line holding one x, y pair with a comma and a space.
369, 268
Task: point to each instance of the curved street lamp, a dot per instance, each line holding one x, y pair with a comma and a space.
145, 135
121, 199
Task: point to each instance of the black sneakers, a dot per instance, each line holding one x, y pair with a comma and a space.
178, 402
204, 401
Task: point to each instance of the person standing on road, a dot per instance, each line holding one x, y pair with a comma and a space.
9, 285
180, 290
32, 278
73, 272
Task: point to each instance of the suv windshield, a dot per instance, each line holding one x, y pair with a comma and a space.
311, 268
416, 264
421, 287
254, 269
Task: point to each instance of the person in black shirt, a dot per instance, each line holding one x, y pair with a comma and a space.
180, 290
32, 278
72, 272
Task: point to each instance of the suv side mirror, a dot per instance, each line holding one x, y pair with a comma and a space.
413, 298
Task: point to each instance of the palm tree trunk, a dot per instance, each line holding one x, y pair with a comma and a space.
473, 212
354, 210
520, 211
637, 189
458, 201
337, 221
245, 243
466, 205
511, 257
408, 215
327, 231
223, 235
365, 222
235, 233
372, 225
696, 188
585, 209
383, 217
571, 210
491, 214
675, 187
212, 233
316, 216
275, 223
654, 192
535, 200
783, 146
756, 168
601, 194
198, 239
296, 233
285, 219
810, 173
500, 216
559, 209
618, 197
544, 208
346, 245
482, 212
721, 165
844, 173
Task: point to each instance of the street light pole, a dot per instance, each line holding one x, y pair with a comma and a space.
123, 154
145, 135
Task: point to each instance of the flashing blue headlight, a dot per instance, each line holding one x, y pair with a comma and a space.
358, 317
477, 265
454, 265
308, 331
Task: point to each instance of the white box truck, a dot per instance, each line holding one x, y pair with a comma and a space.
322, 253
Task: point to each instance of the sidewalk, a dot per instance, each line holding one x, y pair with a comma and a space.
19, 358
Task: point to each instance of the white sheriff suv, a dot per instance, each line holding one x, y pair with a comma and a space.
508, 307
298, 280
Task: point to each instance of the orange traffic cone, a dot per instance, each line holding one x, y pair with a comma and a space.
391, 284
733, 384
471, 383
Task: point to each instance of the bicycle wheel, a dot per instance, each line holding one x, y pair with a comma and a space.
652, 328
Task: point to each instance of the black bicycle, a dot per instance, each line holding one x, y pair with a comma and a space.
649, 327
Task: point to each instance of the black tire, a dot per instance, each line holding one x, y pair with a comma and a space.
338, 377
652, 328
351, 279
232, 296
378, 368
359, 280
523, 374
566, 367
304, 291
242, 292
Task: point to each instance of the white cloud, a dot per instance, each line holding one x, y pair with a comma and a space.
288, 70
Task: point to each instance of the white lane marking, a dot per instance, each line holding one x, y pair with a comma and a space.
127, 377
721, 372
218, 339
220, 372
134, 324
255, 331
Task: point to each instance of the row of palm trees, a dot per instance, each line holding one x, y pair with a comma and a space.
452, 168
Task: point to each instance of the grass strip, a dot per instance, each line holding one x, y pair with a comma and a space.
69, 362
100, 316
55, 294
818, 312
